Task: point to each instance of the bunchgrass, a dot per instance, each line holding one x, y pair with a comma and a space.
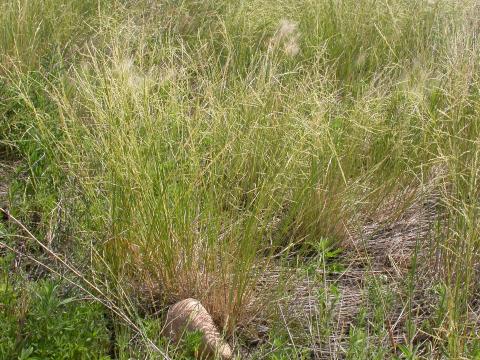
201, 142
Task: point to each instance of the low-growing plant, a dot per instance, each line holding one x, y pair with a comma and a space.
39, 324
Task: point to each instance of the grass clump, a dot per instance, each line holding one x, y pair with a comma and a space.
194, 145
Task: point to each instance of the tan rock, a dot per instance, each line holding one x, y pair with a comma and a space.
188, 316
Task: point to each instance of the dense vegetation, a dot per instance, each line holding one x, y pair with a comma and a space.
181, 148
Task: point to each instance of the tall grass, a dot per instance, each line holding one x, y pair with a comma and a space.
208, 138
38, 33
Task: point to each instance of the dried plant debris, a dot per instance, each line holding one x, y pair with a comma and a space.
7, 170
324, 306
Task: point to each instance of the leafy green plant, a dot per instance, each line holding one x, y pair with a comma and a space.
283, 349
52, 327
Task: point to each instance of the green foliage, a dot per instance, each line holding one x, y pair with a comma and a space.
281, 348
190, 345
9, 321
408, 352
39, 324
